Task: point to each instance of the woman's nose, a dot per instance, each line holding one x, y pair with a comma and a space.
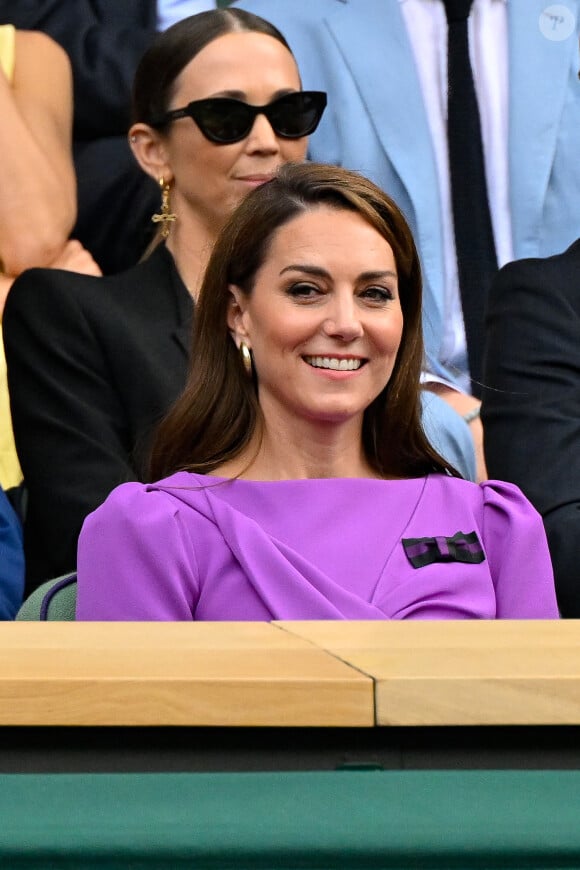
262, 136
343, 319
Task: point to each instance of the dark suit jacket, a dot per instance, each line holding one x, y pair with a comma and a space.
531, 409
93, 364
104, 40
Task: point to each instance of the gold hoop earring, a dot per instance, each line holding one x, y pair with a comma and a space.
165, 216
246, 355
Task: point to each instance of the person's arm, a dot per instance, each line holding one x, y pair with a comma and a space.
531, 407
68, 418
5, 285
468, 408
135, 560
517, 551
38, 190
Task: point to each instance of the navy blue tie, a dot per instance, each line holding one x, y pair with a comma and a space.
474, 242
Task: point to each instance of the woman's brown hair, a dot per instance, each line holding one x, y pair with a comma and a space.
219, 412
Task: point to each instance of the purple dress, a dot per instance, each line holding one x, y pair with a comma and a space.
205, 548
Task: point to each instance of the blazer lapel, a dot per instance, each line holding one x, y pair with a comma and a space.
391, 91
538, 78
182, 331
182, 334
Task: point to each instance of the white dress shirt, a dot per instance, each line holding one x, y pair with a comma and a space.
427, 30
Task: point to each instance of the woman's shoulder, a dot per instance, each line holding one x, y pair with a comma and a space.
508, 499
185, 486
161, 495
480, 491
196, 501
497, 495
60, 290
144, 505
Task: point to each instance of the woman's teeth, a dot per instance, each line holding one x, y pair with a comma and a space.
330, 362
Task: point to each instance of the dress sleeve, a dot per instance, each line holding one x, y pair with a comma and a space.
517, 551
136, 560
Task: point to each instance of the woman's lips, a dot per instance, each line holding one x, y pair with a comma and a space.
254, 180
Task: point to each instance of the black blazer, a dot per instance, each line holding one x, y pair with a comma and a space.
531, 408
93, 365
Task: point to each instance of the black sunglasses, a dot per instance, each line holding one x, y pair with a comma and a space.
224, 121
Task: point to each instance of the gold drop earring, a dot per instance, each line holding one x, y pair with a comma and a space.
165, 216
246, 356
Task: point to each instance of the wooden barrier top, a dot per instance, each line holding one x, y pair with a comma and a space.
478, 672
416, 634
290, 673
239, 674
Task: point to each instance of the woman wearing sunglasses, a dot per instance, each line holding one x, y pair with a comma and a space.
94, 363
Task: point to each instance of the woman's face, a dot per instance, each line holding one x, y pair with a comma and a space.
324, 320
211, 179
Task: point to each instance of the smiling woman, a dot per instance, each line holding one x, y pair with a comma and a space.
324, 325
298, 482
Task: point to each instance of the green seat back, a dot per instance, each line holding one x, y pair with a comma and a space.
54, 600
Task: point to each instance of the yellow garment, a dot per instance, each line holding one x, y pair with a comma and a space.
10, 473
7, 49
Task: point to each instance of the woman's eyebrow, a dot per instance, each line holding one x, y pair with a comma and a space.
242, 95
377, 274
319, 272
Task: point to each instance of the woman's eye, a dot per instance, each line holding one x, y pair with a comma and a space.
377, 294
303, 291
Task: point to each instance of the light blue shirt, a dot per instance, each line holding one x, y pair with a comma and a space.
171, 11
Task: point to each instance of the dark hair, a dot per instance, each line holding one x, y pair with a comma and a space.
218, 412
175, 47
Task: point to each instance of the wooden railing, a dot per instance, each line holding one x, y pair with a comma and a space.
290, 673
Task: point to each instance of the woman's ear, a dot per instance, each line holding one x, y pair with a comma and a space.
237, 316
148, 147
